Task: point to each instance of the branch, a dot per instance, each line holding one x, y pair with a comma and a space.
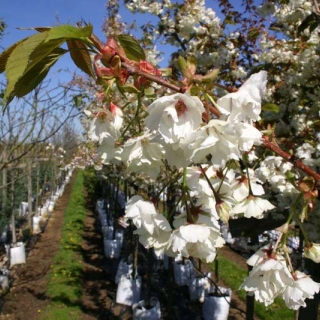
289, 157
132, 70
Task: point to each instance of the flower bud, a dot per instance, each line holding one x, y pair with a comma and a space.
223, 210
312, 251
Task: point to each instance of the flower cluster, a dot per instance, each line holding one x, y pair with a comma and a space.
270, 278
199, 239
174, 127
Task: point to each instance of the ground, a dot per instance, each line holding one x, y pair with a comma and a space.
27, 298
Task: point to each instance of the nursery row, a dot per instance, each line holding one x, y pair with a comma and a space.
64, 288
153, 285
16, 252
143, 278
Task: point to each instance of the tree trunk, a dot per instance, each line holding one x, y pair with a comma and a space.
4, 191
29, 186
13, 219
37, 190
249, 303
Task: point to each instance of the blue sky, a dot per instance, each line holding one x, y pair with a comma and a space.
31, 13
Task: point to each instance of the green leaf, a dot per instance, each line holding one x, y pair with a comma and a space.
6, 53
194, 90
311, 22
192, 64
270, 107
291, 177
77, 100
131, 47
80, 56
39, 29
166, 72
229, 20
150, 92
36, 73
253, 34
183, 66
211, 76
42, 29
210, 98
43, 50
130, 89
19, 59
37, 56
69, 32
314, 25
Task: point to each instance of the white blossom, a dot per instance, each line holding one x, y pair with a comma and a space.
152, 227
175, 117
240, 188
253, 207
196, 240
267, 280
105, 123
143, 154
245, 104
300, 288
312, 251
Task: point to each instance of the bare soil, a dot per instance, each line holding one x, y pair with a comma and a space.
27, 297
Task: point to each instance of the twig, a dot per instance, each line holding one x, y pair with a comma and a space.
289, 157
131, 69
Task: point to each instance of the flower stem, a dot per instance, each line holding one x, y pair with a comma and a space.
216, 195
289, 219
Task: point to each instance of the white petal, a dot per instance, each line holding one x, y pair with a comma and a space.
194, 233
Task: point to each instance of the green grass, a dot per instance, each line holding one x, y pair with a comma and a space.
64, 288
233, 275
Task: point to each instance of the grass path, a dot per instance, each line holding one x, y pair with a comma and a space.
64, 288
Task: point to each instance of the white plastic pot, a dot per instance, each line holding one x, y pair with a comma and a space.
124, 269
36, 225
107, 232
99, 205
165, 262
24, 208
4, 234
216, 307
60, 191
198, 287
129, 290
183, 272
4, 283
160, 256
112, 248
51, 206
110, 221
119, 235
17, 254
140, 312
103, 218
43, 212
